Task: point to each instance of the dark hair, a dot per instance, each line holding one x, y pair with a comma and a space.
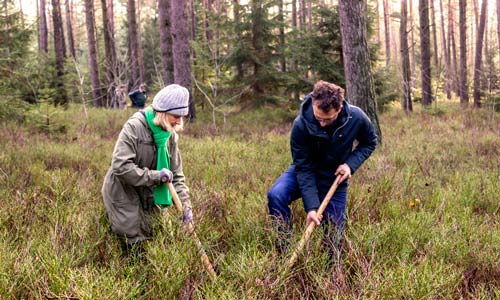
327, 95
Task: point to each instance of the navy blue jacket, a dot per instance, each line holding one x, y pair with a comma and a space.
317, 154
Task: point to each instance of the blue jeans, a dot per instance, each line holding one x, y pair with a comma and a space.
286, 190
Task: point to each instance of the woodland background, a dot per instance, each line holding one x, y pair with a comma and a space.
423, 211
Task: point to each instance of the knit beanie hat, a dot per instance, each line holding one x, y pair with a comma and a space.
173, 99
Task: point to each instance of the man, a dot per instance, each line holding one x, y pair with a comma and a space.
322, 141
139, 97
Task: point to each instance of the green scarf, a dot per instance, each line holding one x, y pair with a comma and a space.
162, 196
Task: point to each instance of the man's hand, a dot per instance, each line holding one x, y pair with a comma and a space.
312, 216
166, 175
345, 171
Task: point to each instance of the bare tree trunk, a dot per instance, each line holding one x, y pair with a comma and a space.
281, 36
302, 14
165, 24
464, 93
405, 58
61, 97
293, 63
446, 52
237, 21
133, 44
91, 42
479, 56
111, 18
453, 49
237, 28
358, 77
434, 34
309, 15
69, 28
43, 32
387, 33
193, 28
412, 28
257, 40
140, 57
377, 23
38, 25
109, 52
208, 9
180, 46
498, 23
21, 12
425, 52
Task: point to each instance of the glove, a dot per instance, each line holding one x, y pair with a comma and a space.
166, 175
187, 217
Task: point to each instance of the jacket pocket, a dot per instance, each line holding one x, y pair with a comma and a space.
146, 154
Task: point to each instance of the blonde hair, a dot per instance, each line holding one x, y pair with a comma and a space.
161, 119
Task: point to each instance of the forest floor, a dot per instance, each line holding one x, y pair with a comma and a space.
422, 218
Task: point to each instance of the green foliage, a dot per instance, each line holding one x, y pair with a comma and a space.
321, 50
422, 213
387, 89
14, 48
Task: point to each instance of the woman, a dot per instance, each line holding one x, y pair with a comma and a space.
146, 156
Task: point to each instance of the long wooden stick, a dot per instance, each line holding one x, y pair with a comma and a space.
310, 227
190, 227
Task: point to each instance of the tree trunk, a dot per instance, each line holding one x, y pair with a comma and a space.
207, 4
464, 93
167, 59
434, 35
377, 22
140, 57
193, 28
387, 33
257, 41
498, 23
453, 48
133, 44
425, 52
412, 28
302, 14
180, 46
69, 29
237, 28
43, 32
91, 42
479, 56
405, 58
446, 52
21, 13
109, 52
358, 77
309, 15
60, 97
281, 36
293, 62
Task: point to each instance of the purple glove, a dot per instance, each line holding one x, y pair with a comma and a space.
166, 175
187, 216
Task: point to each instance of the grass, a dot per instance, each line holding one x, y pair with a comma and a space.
423, 212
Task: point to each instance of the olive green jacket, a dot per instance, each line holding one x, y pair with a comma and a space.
128, 186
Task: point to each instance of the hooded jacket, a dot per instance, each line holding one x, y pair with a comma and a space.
317, 153
128, 186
